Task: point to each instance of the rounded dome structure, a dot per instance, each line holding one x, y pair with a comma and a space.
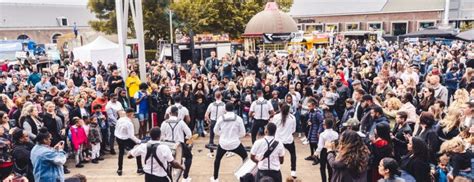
270, 20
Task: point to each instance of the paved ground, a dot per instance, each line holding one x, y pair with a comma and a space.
201, 169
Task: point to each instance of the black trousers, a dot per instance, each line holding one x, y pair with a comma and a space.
275, 175
257, 124
211, 133
153, 178
323, 162
292, 149
188, 159
240, 150
112, 138
312, 148
126, 144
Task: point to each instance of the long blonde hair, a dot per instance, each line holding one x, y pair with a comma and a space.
462, 97
8, 102
452, 120
394, 103
450, 146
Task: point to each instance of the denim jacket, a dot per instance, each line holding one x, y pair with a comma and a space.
48, 163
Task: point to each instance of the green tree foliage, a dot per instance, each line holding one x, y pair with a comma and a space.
215, 16
155, 19
218, 16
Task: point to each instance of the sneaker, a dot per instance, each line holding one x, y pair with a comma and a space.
214, 180
186, 180
303, 139
79, 165
95, 161
210, 155
306, 142
140, 171
112, 152
309, 158
229, 154
101, 158
205, 133
293, 174
119, 172
66, 171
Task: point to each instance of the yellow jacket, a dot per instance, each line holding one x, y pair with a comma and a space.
132, 83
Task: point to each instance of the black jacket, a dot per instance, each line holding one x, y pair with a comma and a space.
21, 158
52, 125
417, 167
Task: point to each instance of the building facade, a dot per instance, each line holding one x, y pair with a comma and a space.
393, 17
43, 23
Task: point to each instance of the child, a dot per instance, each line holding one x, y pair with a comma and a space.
78, 139
442, 170
103, 125
315, 119
95, 140
198, 110
348, 113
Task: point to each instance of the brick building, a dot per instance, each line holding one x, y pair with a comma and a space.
43, 23
393, 17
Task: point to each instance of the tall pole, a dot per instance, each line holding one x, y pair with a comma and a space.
121, 39
446, 14
171, 26
141, 39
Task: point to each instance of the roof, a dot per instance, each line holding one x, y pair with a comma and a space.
306, 8
467, 35
270, 20
432, 32
15, 15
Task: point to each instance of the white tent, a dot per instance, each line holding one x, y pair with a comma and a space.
99, 49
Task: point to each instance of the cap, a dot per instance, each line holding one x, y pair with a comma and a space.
356, 82
351, 122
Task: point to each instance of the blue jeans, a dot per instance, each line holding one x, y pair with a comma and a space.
200, 126
247, 122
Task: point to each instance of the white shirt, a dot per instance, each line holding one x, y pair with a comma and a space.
216, 110
407, 76
124, 130
328, 135
260, 147
261, 108
175, 130
164, 154
284, 133
230, 129
117, 106
182, 111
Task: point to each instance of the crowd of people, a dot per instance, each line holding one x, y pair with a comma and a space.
367, 111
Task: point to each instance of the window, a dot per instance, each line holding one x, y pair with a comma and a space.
54, 38
22, 37
300, 27
352, 26
331, 27
62, 21
399, 28
374, 26
426, 24
314, 27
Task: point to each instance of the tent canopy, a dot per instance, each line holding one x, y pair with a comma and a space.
466, 35
432, 32
99, 49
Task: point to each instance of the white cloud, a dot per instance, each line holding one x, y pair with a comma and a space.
68, 2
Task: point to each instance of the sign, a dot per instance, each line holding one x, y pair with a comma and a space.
277, 37
297, 36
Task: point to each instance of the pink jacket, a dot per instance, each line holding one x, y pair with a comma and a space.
78, 136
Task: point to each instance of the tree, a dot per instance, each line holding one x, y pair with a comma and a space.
217, 16
155, 19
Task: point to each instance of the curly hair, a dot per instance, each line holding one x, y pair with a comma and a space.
353, 152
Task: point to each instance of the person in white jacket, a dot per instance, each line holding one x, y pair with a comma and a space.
230, 129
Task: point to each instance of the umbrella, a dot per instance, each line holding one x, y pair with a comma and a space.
466, 35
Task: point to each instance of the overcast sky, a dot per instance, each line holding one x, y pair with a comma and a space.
72, 2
